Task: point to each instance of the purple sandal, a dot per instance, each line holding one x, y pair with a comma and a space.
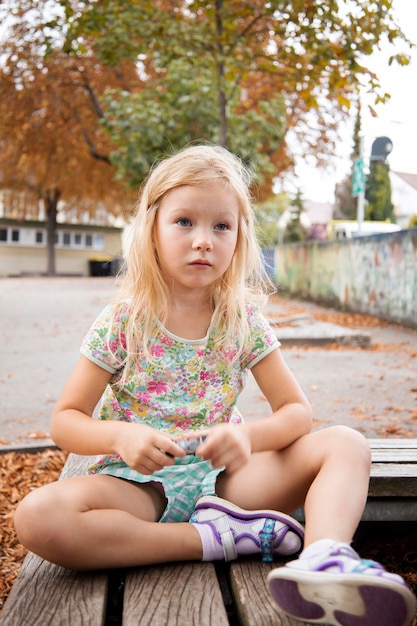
239, 531
337, 587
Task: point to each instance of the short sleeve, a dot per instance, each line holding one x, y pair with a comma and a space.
263, 338
105, 342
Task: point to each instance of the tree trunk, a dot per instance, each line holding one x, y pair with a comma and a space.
220, 76
50, 199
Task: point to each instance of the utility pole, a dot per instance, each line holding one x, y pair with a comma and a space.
358, 184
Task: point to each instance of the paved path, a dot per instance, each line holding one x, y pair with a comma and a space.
43, 321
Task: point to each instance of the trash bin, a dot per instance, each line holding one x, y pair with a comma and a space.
115, 266
100, 268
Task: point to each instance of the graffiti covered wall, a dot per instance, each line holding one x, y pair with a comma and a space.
375, 274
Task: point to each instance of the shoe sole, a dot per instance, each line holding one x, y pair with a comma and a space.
214, 502
341, 599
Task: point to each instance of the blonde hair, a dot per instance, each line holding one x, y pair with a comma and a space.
143, 286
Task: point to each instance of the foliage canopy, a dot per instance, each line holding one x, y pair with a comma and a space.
91, 88
244, 74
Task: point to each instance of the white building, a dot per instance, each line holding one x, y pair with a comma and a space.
315, 217
403, 196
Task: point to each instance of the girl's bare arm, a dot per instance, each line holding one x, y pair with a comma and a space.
73, 428
291, 412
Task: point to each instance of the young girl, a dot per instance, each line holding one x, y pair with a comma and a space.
168, 360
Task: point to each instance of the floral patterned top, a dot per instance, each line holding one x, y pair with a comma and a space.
187, 385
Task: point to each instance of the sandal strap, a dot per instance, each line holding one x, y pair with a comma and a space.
227, 538
365, 564
267, 535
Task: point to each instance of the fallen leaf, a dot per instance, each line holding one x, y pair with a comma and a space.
20, 473
37, 435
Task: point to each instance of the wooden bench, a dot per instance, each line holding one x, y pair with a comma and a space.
199, 594
393, 486
174, 594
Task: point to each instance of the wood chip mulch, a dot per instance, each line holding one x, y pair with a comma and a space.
20, 473
393, 545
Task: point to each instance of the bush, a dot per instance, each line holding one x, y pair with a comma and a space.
413, 221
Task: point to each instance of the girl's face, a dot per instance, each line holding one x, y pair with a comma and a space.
195, 235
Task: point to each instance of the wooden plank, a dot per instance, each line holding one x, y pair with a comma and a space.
174, 594
391, 480
393, 443
390, 510
48, 595
394, 470
255, 605
399, 455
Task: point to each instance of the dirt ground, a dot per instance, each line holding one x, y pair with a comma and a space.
43, 321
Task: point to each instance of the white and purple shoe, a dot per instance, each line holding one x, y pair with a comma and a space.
228, 531
337, 587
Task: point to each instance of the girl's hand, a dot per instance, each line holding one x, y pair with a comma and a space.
145, 449
226, 445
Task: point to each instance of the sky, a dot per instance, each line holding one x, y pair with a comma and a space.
396, 119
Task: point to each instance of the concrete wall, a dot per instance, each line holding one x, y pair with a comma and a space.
375, 274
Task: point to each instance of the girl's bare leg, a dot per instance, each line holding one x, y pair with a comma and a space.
99, 521
327, 471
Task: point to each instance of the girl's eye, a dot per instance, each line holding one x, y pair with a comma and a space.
222, 226
183, 221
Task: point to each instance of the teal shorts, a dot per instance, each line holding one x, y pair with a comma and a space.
183, 483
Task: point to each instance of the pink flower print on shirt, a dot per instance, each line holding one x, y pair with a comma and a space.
144, 397
157, 386
229, 355
157, 351
129, 414
123, 342
115, 406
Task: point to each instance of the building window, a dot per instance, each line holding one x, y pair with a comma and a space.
99, 242
36, 237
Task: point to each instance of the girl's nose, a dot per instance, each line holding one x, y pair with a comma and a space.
202, 242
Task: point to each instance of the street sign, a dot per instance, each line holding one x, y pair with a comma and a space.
358, 178
381, 148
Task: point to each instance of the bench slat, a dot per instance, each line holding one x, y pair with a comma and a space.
44, 591
254, 603
401, 455
393, 481
174, 594
390, 509
393, 443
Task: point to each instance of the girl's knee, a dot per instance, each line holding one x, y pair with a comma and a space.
349, 442
33, 516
